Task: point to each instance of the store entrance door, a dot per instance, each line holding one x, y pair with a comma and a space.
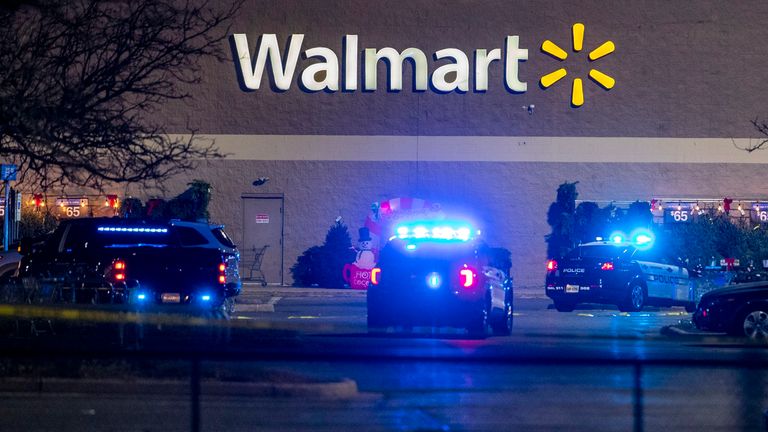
262, 246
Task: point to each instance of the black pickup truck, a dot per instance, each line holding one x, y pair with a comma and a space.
134, 262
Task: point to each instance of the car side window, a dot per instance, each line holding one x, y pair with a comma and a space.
189, 237
648, 255
77, 238
222, 237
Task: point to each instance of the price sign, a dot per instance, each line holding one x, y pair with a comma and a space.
759, 213
679, 214
72, 207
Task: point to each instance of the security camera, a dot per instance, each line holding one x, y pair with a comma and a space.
338, 219
260, 181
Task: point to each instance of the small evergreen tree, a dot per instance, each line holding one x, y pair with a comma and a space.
561, 217
132, 208
323, 265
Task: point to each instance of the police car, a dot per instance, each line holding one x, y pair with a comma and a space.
439, 275
630, 275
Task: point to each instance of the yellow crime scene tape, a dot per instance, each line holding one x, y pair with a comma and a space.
175, 318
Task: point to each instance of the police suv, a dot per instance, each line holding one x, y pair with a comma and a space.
439, 274
629, 275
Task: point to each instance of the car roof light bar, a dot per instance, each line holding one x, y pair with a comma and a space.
437, 232
112, 229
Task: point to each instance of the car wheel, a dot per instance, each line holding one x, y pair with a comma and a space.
636, 298
565, 306
502, 323
755, 325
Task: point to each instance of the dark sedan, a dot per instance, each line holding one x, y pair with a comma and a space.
740, 310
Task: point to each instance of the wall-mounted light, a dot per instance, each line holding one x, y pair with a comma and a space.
529, 108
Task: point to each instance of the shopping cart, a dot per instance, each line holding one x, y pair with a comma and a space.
252, 264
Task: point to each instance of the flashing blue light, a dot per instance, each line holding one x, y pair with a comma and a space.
433, 280
427, 230
132, 229
402, 232
617, 239
643, 239
420, 232
206, 298
141, 296
410, 247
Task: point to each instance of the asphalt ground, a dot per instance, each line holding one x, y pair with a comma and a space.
593, 369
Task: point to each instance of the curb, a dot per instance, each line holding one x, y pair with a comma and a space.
251, 288
344, 389
674, 330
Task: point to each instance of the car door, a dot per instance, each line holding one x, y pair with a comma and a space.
656, 273
680, 282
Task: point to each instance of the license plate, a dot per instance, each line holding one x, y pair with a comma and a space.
171, 298
571, 288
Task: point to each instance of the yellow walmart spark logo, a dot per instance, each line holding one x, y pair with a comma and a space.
577, 92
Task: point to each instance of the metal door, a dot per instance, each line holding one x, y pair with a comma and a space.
262, 226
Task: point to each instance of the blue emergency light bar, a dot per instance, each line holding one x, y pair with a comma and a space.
436, 232
132, 230
640, 238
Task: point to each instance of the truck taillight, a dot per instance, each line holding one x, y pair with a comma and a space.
607, 266
223, 273
551, 265
467, 277
375, 275
118, 268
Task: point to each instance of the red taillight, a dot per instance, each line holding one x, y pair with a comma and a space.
223, 273
119, 271
467, 277
607, 266
551, 265
375, 275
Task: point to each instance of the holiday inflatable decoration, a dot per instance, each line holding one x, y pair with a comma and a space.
376, 231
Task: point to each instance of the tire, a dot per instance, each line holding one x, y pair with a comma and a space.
501, 324
565, 306
754, 324
636, 298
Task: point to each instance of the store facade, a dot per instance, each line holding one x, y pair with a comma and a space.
478, 113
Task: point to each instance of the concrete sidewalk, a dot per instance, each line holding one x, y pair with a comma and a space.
253, 291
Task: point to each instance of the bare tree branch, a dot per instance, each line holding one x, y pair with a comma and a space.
83, 80
762, 128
